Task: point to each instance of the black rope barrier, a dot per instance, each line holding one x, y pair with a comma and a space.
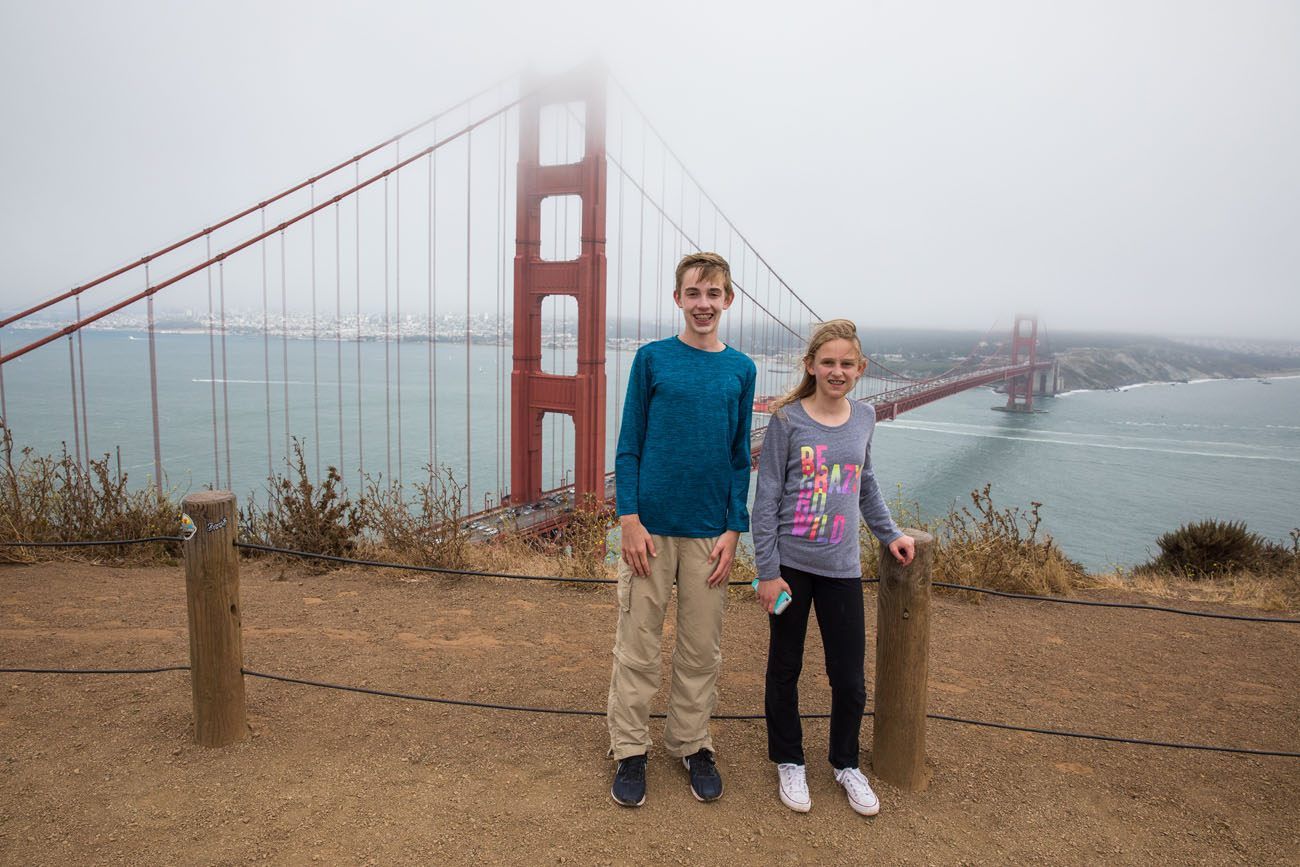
438, 570
380, 564
91, 543
429, 699
1062, 600
157, 670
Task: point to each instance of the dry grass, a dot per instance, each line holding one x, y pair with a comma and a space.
45, 498
983, 546
1269, 592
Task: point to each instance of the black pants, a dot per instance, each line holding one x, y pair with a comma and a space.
839, 616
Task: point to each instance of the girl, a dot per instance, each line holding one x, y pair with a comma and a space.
815, 484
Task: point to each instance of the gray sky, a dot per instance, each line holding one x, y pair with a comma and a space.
1110, 165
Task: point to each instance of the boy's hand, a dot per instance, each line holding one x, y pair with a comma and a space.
724, 552
637, 545
903, 548
768, 591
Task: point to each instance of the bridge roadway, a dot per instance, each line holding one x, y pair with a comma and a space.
549, 512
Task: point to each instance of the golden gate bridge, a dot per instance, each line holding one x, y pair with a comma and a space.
377, 254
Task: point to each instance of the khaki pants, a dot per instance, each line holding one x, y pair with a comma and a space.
697, 656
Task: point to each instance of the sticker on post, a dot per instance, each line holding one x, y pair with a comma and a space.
214, 526
188, 529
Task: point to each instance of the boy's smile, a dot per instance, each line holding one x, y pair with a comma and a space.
702, 302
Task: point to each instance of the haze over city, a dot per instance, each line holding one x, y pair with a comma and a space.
1125, 167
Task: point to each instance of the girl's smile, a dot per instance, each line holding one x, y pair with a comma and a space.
836, 368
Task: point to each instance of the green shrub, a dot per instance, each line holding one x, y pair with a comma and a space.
1209, 549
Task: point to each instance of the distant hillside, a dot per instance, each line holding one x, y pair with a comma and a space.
1106, 367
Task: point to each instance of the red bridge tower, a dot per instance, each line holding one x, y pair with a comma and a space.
1024, 349
534, 392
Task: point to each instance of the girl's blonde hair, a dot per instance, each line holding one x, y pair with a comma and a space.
832, 329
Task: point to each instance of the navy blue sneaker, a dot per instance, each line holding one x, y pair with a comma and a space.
629, 782
706, 782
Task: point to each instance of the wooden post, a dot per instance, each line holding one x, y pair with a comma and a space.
216, 646
902, 666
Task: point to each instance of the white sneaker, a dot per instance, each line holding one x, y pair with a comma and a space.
794, 787
861, 798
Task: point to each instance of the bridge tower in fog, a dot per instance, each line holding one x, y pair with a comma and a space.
533, 391
1024, 350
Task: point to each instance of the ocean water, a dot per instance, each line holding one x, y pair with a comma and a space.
1113, 469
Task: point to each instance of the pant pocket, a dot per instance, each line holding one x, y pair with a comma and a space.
624, 593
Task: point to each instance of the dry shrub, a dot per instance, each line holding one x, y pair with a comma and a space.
584, 540
1000, 549
983, 546
303, 515
425, 529
44, 498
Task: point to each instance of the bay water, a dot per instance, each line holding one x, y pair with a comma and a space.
1113, 469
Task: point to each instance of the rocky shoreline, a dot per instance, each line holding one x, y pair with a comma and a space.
1110, 368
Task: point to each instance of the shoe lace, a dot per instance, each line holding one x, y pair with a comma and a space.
632, 768
853, 779
702, 762
796, 781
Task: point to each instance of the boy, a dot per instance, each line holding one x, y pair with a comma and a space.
682, 474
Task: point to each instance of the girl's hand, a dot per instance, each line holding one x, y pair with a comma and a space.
768, 591
903, 548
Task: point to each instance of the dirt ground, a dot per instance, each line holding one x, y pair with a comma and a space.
103, 770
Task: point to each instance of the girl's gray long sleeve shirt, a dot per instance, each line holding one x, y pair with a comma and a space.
815, 483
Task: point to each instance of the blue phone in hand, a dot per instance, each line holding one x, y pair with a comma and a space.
782, 601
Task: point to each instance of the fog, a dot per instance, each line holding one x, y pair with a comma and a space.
1116, 166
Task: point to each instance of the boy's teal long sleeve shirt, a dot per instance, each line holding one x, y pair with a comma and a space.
683, 449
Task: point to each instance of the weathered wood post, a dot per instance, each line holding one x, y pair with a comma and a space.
902, 666
216, 645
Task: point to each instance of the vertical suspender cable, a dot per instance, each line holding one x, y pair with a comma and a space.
469, 236
740, 335
388, 413
659, 248
266, 354
4, 410
153, 394
397, 294
563, 337
338, 326
556, 366
433, 310
284, 339
500, 361
727, 339
428, 349
72, 393
212, 373
618, 304
81, 373
361, 451
315, 349
225, 377
640, 253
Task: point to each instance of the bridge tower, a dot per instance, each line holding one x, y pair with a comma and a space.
1024, 350
533, 393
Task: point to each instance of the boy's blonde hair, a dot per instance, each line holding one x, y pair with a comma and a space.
710, 264
831, 329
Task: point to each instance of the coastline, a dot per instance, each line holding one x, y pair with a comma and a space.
1293, 374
